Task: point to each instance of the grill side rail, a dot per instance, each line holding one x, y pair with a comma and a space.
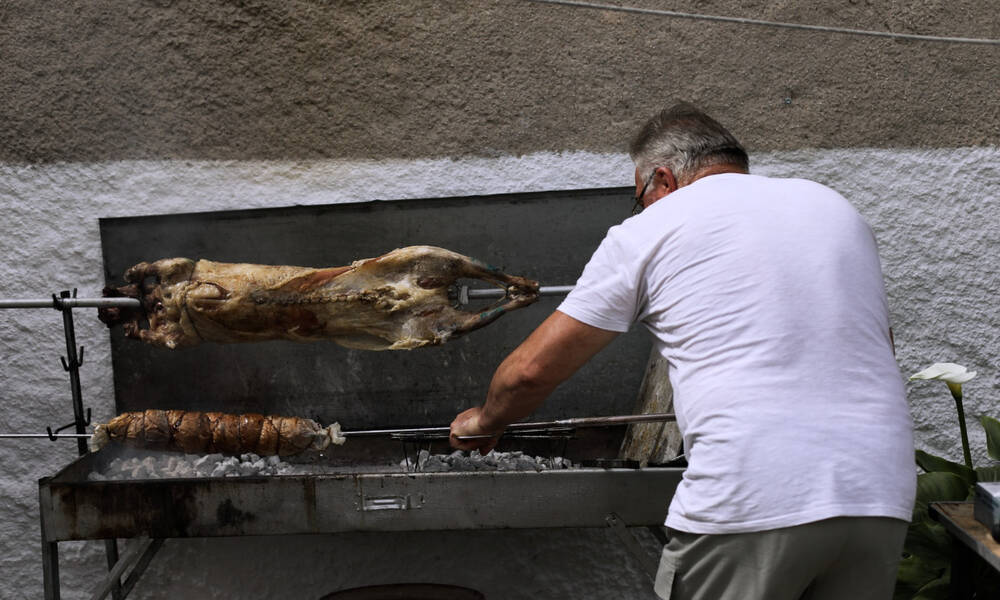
207, 507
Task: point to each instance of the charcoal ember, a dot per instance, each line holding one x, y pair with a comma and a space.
229, 467
204, 465
493, 461
461, 463
524, 463
436, 464
172, 465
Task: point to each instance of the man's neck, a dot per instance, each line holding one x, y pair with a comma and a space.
714, 170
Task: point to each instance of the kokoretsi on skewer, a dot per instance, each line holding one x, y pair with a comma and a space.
195, 432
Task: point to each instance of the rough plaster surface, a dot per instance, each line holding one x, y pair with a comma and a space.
936, 214
105, 80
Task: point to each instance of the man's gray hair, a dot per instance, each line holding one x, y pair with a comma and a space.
686, 140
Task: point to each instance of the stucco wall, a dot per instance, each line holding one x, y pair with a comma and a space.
158, 107
301, 79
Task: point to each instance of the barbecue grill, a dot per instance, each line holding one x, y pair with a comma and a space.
362, 486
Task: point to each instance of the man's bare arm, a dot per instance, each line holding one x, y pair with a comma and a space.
550, 355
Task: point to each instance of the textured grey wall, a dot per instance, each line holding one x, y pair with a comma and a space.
108, 108
108, 80
935, 212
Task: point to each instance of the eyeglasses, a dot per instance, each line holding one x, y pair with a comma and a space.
637, 207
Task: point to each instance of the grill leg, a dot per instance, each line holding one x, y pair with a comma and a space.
618, 526
111, 549
50, 569
140, 566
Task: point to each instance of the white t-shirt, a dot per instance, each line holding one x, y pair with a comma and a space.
766, 298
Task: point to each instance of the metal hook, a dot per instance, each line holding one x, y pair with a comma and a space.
77, 363
51, 433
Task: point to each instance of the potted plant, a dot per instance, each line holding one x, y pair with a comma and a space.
925, 570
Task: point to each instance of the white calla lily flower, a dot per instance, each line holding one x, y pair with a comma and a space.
947, 372
953, 375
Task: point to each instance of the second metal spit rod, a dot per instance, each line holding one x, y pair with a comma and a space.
559, 424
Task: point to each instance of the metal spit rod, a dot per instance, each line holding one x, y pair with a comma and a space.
45, 435
545, 290
60, 303
465, 294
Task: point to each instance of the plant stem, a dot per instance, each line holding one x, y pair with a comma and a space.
957, 394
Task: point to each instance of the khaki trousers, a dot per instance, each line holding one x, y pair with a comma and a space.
846, 558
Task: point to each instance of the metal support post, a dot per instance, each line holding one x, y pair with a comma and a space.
64, 303
81, 420
72, 364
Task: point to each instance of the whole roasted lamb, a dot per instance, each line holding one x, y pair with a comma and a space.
399, 300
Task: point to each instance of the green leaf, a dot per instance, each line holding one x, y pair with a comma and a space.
988, 473
937, 487
914, 574
939, 589
992, 428
930, 542
934, 464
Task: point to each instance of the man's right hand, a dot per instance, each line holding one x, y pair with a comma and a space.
469, 423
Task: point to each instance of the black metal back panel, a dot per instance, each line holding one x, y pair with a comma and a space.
545, 236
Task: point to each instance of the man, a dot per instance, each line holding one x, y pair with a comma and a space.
766, 298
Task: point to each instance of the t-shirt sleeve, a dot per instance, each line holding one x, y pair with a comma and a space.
607, 293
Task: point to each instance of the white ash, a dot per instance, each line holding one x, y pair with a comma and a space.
169, 465
494, 461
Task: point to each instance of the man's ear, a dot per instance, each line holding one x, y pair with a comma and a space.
666, 175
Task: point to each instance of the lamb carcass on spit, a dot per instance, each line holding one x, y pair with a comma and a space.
399, 300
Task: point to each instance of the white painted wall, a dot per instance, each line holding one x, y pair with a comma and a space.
935, 212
